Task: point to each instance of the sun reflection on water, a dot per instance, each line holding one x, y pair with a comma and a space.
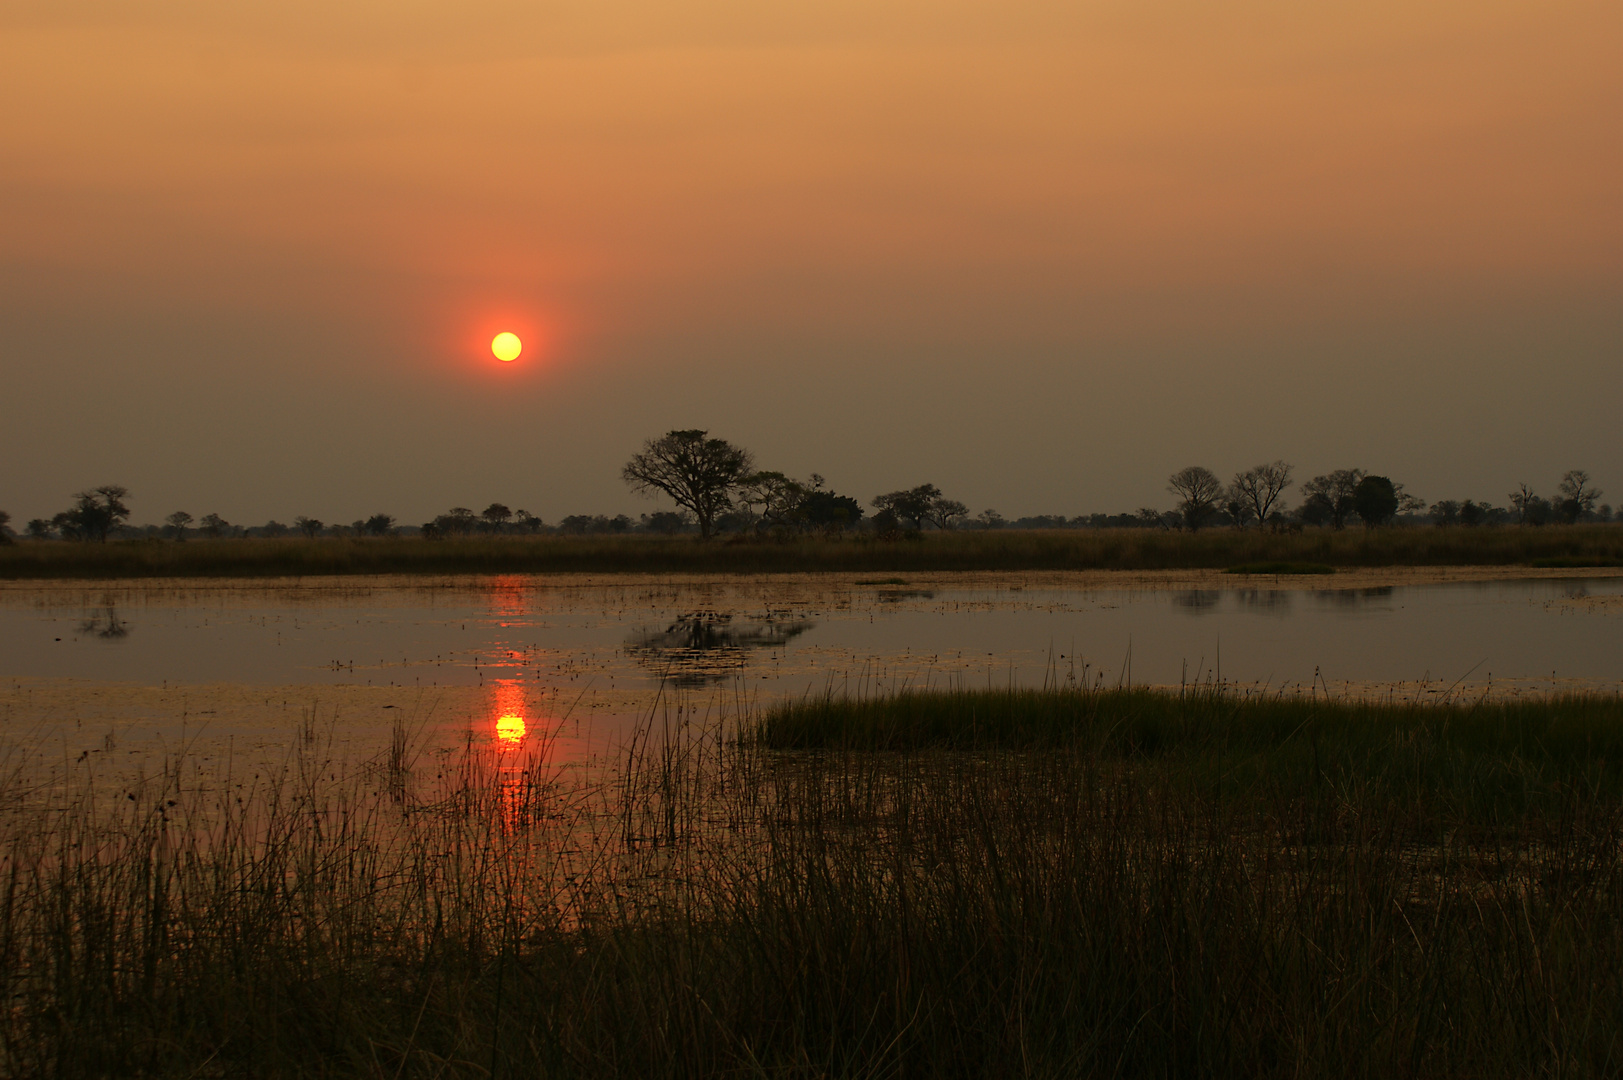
509, 598
508, 711
510, 729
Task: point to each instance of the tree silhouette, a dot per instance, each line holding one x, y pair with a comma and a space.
1376, 500
1531, 509
175, 524
96, 513
1445, 512
582, 524
1578, 495
699, 474
830, 512
1258, 489
668, 522
1330, 497
1198, 489
919, 506
309, 526
496, 516
773, 500
458, 520
945, 513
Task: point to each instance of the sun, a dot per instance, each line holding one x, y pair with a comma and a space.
506, 346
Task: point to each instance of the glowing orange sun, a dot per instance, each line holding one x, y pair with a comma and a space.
506, 346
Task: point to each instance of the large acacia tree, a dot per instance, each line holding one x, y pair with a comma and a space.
699, 474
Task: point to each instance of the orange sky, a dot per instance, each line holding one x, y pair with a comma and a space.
1041, 254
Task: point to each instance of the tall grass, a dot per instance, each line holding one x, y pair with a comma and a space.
1089, 901
1008, 550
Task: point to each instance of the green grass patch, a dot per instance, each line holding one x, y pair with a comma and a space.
1281, 568
1491, 757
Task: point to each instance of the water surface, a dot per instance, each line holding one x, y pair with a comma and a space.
509, 658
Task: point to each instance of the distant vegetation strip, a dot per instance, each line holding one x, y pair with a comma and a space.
1573, 546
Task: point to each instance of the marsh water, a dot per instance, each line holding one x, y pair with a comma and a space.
515, 658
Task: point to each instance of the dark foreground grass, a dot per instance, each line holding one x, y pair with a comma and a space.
1121, 886
1573, 546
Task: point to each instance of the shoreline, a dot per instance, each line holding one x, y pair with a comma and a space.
1015, 580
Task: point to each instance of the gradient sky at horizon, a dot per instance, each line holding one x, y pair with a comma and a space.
1041, 254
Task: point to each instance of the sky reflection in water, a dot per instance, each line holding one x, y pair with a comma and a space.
518, 633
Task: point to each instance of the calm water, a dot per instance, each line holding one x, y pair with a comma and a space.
785, 639
237, 679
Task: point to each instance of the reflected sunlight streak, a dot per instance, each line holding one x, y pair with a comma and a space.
508, 710
510, 729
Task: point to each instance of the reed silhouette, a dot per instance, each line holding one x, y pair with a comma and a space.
1060, 883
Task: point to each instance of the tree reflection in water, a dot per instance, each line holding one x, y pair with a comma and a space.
703, 647
1265, 601
1197, 600
105, 624
1354, 598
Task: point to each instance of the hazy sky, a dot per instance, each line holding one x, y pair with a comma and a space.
1041, 254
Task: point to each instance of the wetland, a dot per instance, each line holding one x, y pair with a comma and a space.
581, 657
1044, 824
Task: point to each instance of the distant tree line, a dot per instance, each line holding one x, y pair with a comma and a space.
718, 491
1354, 496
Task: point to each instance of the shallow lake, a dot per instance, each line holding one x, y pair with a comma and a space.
510, 657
